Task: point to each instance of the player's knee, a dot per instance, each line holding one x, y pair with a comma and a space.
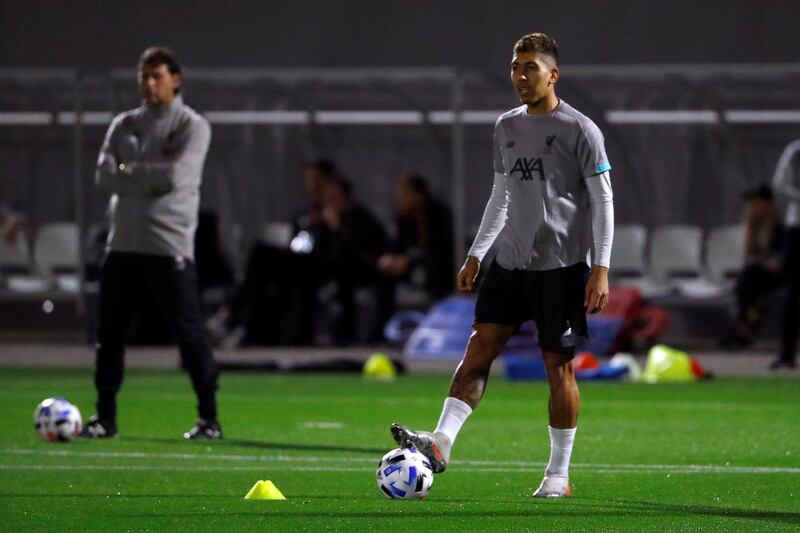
559, 368
485, 342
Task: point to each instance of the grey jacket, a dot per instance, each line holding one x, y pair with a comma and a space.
152, 163
786, 182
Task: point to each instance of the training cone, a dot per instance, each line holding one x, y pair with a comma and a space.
264, 490
378, 366
667, 364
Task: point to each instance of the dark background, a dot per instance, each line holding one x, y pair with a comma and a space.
472, 34
663, 174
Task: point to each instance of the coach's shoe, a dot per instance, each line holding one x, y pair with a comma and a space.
203, 429
434, 446
98, 429
553, 487
780, 364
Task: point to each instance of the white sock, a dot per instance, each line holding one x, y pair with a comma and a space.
454, 414
560, 451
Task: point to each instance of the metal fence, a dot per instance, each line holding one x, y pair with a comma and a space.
684, 141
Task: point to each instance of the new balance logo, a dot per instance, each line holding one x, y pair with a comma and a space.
527, 167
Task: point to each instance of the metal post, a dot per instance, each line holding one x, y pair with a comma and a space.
77, 176
458, 170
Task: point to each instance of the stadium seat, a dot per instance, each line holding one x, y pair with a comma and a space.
724, 252
277, 234
627, 257
675, 251
56, 254
724, 256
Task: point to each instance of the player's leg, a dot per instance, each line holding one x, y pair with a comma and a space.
466, 390
791, 309
563, 407
561, 319
119, 290
174, 283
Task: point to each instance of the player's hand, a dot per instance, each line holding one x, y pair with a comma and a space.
465, 280
597, 290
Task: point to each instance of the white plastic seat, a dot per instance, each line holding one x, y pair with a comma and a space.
724, 252
627, 255
57, 248
724, 257
675, 251
278, 234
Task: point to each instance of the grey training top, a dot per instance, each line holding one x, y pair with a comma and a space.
548, 161
152, 161
786, 182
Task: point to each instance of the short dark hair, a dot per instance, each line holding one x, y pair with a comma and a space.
762, 192
418, 183
326, 167
344, 185
160, 55
537, 42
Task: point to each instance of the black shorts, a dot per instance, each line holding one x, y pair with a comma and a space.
552, 298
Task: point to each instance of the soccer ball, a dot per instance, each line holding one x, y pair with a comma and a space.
57, 420
405, 474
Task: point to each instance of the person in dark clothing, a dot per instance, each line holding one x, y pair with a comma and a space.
257, 311
348, 245
421, 253
337, 246
761, 274
786, 184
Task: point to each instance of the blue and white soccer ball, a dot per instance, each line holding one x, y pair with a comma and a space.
404, 474
57, 420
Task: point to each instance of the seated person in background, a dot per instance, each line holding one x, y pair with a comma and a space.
12, 222
235, 322
348, 246
421, 253
761, 274
338, 246
316, 174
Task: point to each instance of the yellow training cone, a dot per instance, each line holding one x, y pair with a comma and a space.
264, 490
667, 364
379, 366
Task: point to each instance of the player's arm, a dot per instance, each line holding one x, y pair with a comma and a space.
185, 164
785, 181
110, 172
601, 198
494, 218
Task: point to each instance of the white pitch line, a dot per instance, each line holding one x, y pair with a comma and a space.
295, 468
487, 466
188, 468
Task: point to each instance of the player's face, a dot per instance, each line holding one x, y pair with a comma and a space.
157, 84
534, 76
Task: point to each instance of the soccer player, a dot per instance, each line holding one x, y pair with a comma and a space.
152, 163
551, 212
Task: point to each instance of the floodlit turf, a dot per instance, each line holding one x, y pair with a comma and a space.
715, 456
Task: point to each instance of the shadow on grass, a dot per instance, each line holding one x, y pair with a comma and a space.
390, 514
600, 509
677, 509
263, 445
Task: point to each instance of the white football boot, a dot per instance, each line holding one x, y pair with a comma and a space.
553, 487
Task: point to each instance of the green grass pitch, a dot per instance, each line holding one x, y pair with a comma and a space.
715, 456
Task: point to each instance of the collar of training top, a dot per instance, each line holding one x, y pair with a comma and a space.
160, 110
